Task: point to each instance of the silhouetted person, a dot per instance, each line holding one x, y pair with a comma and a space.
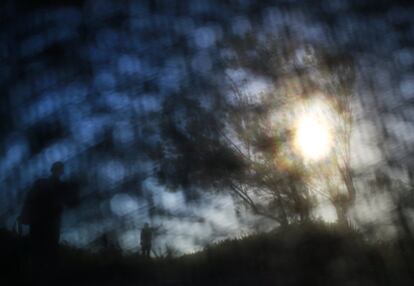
109, 245
146, 240
42, 211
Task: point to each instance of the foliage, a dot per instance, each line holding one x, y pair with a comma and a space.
233, 139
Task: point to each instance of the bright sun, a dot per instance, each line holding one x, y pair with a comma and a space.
312, 137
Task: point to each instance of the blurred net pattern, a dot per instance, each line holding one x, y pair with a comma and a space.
85, 83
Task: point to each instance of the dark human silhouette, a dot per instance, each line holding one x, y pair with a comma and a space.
42, 212
146, 240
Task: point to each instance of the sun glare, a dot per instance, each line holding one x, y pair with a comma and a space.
312, 137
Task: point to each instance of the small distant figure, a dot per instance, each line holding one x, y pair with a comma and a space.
42, 212
146, 240
109, 244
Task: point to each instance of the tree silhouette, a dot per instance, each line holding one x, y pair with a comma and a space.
239, 140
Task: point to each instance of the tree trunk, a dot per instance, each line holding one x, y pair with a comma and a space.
342, 208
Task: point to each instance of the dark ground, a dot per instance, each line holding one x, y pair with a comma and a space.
297, 255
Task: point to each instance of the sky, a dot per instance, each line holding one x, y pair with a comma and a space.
84, 82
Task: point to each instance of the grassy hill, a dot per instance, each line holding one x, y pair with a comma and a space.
312, 254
